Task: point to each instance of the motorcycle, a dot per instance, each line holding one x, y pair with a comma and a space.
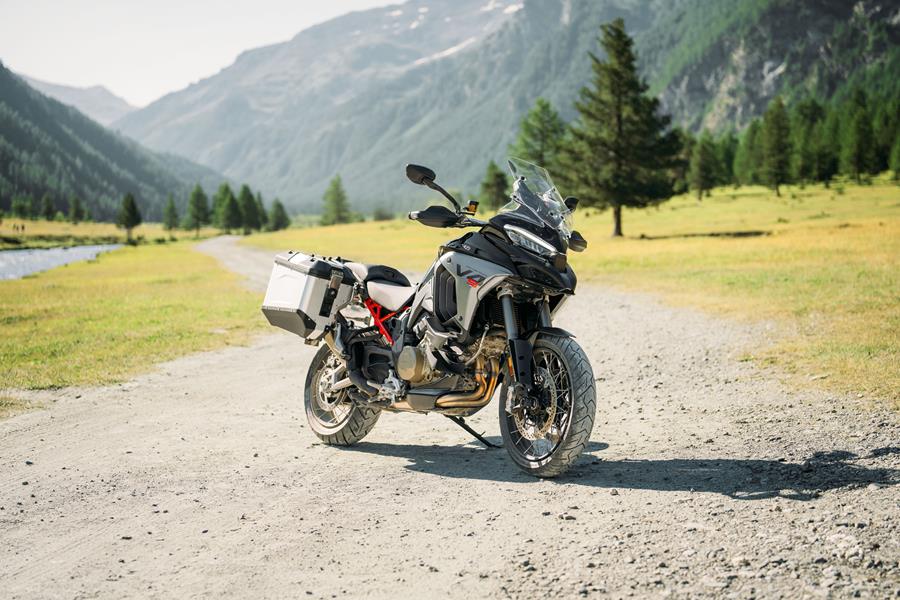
480, 319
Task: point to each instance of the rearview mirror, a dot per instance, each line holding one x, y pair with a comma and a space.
577, 243
419, 174
571, 202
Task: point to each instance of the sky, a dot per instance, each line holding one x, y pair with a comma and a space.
143, 49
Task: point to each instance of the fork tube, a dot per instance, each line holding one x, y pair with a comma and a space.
519, 349
544, 313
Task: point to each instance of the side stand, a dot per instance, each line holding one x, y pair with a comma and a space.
462, 423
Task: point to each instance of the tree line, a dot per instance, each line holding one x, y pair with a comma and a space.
245, 211
621, 151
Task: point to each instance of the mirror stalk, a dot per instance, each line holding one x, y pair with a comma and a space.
432, 185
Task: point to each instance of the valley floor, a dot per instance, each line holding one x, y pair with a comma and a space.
705, 477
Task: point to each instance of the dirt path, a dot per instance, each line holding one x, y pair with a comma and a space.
705, 477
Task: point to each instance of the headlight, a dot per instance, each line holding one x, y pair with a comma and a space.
529, 241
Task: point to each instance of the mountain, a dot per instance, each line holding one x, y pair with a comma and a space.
47, 147
96, 101
445, 83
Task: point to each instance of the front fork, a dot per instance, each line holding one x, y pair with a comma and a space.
520, 349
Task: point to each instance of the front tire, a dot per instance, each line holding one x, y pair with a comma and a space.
332, 415
545, 437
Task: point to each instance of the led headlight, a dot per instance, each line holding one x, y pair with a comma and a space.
529, 241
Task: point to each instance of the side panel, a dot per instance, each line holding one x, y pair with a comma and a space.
423, 298
474, 279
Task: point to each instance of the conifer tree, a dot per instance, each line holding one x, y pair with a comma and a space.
261, 212
198, 210
620, 151
220, 199
129, 216
249, 216
540, 133
48, 211
494, 187
726, 148
76, 211
776, 133
857, 145
704, 166
336, 207
895, 159
681, 171
170, 214
278, 219
232, 218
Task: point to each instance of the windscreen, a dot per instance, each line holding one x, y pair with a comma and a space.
534, 191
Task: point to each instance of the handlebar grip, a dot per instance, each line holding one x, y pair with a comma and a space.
414, 215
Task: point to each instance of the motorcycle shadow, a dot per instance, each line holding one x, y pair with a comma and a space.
738, 478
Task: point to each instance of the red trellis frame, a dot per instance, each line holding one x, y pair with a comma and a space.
376, 310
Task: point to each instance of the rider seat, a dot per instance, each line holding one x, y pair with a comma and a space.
385, 285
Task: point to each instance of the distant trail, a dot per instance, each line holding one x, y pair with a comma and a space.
705, 477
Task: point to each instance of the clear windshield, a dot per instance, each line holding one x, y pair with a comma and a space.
534, 191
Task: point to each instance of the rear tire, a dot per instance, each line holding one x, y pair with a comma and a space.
333, 416
546, 441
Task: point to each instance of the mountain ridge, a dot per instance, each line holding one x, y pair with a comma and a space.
96, 101
367, 92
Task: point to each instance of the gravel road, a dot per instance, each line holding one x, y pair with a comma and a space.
705, 477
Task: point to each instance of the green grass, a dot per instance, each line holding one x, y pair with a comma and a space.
53, 234
104, 320
825, 269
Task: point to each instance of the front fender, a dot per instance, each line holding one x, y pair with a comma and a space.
550, 331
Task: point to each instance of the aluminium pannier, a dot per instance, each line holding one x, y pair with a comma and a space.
305, 292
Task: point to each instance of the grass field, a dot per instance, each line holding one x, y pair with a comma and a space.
51, 234
823, 264
103, 320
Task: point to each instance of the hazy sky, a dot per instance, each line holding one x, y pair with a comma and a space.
142, 49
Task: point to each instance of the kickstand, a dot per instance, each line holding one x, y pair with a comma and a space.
462, 423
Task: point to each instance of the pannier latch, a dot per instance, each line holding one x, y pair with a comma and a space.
337, 276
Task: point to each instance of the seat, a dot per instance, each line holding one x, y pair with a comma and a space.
385, 285
366, 273
389, 295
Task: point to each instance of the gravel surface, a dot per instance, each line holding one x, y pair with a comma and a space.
705, 477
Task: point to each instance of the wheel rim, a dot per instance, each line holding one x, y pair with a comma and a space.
536, 431
328, 407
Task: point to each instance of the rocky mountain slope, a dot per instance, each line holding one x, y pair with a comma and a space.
47, 147
445, 83
96, 101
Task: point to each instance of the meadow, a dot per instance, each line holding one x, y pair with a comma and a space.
820, 264
103, 320
52, 234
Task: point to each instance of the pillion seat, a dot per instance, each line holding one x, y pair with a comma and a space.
385, 285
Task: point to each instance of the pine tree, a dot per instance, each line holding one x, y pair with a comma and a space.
857, 145
48, 211
540, 133
197, 211
895, 159
261, 212
621, 150
279, 219
494, 187
681, 171
218, 207
232, 218
336, 207
704, 166
129, 216
747, 160
170, 215
886, 126
76, 211
726, 148
249, 216
776, 134
21, 207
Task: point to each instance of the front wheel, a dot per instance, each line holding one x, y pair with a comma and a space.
332, 415
546, 434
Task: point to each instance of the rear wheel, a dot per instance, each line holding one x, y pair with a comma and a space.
545, 434
332, 415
